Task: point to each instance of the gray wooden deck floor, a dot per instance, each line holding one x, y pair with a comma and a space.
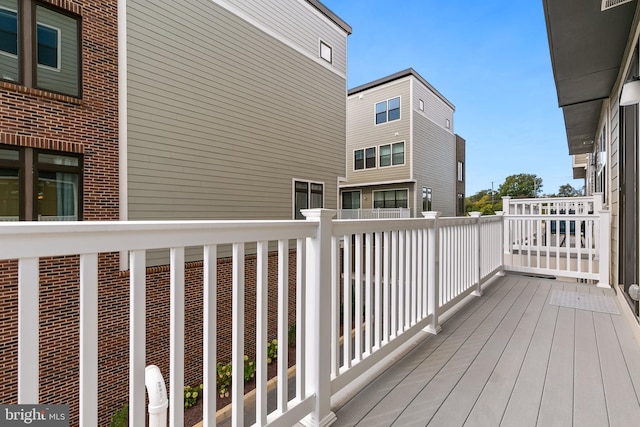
510, 358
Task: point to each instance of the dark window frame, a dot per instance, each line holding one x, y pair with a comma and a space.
386, 201
365, 158
310, 188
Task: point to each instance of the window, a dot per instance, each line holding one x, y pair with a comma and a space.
307, 195
392, 154
448, 124
421, 105
427, 199
460, 171
39, 185
326, 52
390, 199
364, 158
50, 63
387, 111
350, 200
460, 203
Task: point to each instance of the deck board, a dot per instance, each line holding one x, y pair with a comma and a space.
509, 358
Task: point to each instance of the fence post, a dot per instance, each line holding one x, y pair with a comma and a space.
506, 247
476, 253
502, 233
603, 269
433, 276
318, 317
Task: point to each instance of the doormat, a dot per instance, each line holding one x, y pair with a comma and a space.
580, 301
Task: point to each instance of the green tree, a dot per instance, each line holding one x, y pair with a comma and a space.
521, 186
481, 202
567, 190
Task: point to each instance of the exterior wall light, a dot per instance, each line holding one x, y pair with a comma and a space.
630, 92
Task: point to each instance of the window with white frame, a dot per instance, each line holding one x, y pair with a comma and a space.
460, 171
421, 105
364, 158
388, 110
389, 199
392, 154
427, 198
326, 52
448, 123
307, 195
351, 200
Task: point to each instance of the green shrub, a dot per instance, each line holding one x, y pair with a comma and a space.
120, 418
249, 368
272, 351
292, 335
223, 381
191, 395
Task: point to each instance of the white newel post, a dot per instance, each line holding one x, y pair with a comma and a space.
502, 233
318, 312
605, 228
506, 247
433, 282
476, 252
597, 207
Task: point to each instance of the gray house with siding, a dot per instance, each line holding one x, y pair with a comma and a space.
230, 109
401, 147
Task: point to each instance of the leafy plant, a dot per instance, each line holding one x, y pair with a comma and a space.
191, 395
292, 335
120, 418
249, 368
272, 351
224, 379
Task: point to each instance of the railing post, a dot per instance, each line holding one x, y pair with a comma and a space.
318, 315
506, 233
603, 269
433, 279
502, 233
476, 253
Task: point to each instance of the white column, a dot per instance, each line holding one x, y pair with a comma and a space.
476, 252
502, 233
433, 282
506, 232
318, 311
604, 266
28, 330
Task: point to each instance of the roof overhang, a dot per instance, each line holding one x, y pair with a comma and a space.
587, 46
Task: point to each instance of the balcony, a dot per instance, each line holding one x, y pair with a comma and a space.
432, 284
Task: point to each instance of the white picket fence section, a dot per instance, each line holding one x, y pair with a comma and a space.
364, 287
377, 213
561, 237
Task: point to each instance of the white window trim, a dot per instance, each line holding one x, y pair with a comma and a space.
390, 144
309, 182
373, 196
351, 191
377, 148
325, 44
421, 105
58, 41
387, 111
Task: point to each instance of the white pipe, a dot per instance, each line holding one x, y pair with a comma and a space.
158, 401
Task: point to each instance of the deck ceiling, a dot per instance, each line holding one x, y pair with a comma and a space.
586, 46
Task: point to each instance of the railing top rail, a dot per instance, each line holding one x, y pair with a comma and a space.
350, 226
553, 199
559, 217
33, 239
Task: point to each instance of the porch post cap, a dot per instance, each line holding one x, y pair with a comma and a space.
475, 214
431, 214
318, 213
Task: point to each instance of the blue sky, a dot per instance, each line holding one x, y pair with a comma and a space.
490, 59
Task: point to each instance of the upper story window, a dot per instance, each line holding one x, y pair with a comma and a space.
460, 171
326, 52
392, 154
364, 158
421, 105
387, 111
307, 195
40, 47
40, 185
447, 123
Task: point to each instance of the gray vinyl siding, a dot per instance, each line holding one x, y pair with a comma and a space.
614, 184
434, 151
362, 132
434, 108
222, 117
300, 23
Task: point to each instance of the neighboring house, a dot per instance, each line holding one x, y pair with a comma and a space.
461, 173
162, 110
401, 149
594, 53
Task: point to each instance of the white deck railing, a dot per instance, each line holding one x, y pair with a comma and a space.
363, 288
378, 213
567, 237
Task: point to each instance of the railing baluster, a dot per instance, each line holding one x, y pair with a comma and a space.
358, 300
401, 279
28, 327
301, 320
262, 287
407, 281
335, 305
176, 339
368, 312
237, 328
386, 312
377, 291
394, 284
209, 335
347, 288
88, 339
283, 323
137, 337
